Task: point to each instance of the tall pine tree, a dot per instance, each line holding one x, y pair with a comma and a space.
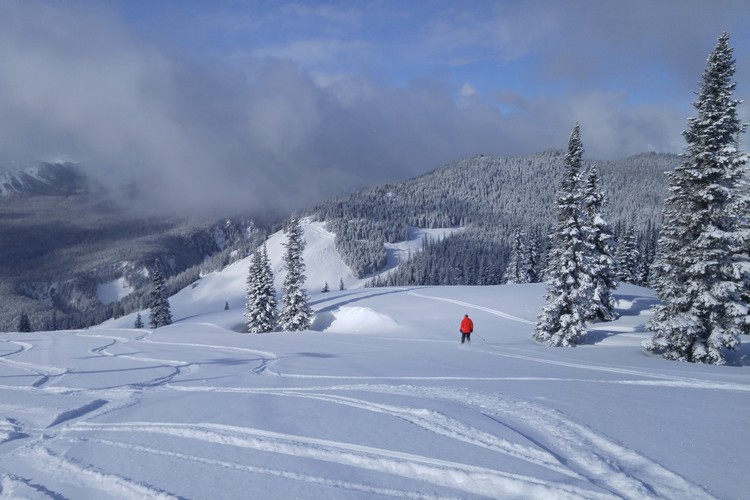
296, 314
570, 289
161, 315
260, 309
627, 256
598, 235
703, 267
518, 269
24, 325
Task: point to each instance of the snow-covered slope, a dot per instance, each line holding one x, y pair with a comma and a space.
322, 263
45, 178
378, 400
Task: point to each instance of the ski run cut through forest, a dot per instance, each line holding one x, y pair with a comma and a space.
377, 399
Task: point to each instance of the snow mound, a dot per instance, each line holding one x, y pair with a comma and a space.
360, 319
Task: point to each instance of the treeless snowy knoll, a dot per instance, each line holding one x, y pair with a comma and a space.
378, 400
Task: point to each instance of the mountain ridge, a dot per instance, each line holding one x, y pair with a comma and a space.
491, 196
70, 237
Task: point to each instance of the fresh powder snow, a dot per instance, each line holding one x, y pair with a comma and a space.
378, 399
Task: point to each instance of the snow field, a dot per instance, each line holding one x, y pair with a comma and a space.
377, 400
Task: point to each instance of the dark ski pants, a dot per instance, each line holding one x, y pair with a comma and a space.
465, 337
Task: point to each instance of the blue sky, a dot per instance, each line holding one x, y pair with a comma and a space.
294, 101
640, 47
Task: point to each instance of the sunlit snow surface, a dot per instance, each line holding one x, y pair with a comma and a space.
378, 400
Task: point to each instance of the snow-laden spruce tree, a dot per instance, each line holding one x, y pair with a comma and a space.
570, 289
260, 308
703, 267
24, 325
518, 269
598, 235
295, 312
161, 315
627, 257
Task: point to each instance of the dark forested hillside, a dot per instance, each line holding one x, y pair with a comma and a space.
490, 196
62, 238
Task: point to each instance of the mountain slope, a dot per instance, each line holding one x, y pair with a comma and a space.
64, 236
322, 262
43, 179
490, 197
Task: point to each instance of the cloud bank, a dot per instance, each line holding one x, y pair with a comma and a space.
270, 132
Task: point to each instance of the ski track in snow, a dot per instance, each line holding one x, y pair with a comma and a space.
67, 471
595, 465
468, 478
324, 481
603, 461
42, 371
662, 380
587, 454
473, 306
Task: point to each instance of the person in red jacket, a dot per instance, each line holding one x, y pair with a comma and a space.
467, 326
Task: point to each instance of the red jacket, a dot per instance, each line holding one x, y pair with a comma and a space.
467, 326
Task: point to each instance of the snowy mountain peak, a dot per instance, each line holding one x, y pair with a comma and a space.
43, 179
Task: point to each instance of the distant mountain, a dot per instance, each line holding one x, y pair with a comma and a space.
63, 238
43, 179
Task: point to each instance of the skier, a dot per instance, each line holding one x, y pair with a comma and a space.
467, 326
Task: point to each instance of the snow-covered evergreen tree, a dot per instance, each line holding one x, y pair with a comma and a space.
161, 315
24, 325
646, 261
53, 323
518, 269
569, 290
260, 308
627, 256
296, 314
341, 284
598, 235
703, 267
534, 260
138, 321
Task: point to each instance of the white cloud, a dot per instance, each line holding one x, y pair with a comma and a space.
314, 52
288, 130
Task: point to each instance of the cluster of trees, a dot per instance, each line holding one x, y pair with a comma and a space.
453, 260
702, 272
363, 251
490, 197
261, 308
524, 262
701, 265
581, 271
